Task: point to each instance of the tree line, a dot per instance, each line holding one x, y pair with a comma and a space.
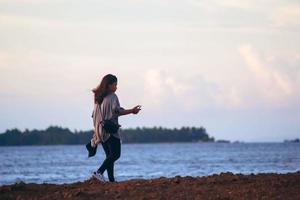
55, 135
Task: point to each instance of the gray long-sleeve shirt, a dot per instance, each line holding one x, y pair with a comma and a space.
109, 109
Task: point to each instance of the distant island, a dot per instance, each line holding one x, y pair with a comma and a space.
55, 135
297, 140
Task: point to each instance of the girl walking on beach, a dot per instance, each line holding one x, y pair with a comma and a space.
107, 106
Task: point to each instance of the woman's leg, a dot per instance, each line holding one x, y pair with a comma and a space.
110, 168
110, 172
113, 147
107, 152
116, 145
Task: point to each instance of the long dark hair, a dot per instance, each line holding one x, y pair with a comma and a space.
102, 89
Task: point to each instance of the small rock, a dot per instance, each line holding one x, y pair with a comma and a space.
19, 197
77, 193
177, 180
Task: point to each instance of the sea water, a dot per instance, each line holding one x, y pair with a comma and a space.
69, 163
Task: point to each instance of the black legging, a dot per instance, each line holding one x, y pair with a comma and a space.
112, 148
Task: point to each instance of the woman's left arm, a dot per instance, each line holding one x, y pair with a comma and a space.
125, 111
134, 110
121, 111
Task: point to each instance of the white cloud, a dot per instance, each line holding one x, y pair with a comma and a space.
158, 88
44, 22
287, 17
273, 86
245, 4
186, 92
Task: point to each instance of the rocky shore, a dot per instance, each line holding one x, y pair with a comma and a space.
225, 186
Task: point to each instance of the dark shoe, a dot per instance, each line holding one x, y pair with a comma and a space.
92, 150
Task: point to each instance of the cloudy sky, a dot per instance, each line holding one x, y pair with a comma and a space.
230, 66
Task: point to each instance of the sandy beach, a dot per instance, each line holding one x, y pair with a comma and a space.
218, 186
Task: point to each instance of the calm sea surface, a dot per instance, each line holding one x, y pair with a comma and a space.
69, 163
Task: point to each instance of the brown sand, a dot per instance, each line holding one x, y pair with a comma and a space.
224, 186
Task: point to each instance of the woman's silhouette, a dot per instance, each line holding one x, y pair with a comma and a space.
107, 106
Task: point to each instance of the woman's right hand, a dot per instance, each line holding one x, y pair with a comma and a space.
136, 109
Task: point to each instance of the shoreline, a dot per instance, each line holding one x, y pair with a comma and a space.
20, 181
225, 185
176, 142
